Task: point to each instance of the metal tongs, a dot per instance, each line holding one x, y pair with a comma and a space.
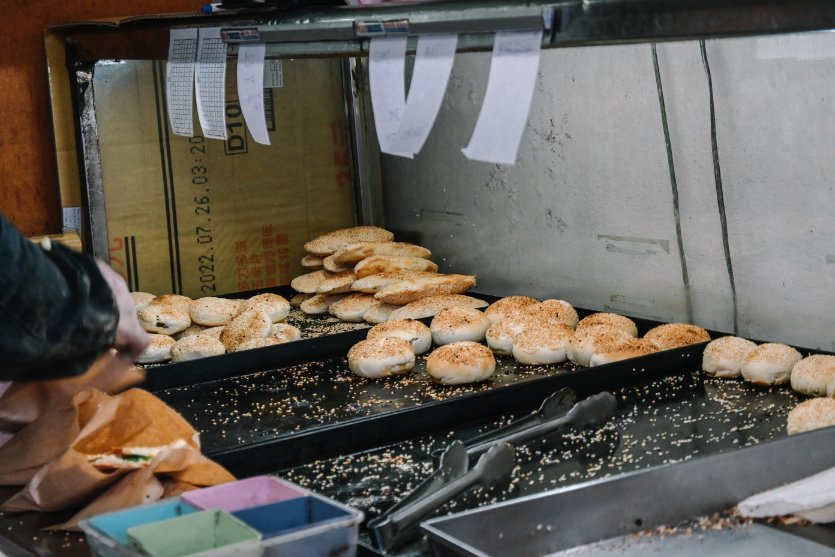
399, 523
496, 457
557, 411
556, 405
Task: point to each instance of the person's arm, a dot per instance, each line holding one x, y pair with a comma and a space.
58, 312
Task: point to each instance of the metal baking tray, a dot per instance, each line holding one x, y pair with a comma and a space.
322, 336
669, 419
605, 517
297, 414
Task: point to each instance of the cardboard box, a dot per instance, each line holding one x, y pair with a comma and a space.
200, 216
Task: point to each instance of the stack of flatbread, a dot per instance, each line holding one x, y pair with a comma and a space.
362, 274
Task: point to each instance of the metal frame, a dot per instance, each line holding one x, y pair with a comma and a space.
344, 30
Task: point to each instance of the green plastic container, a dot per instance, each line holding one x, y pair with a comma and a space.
209, 533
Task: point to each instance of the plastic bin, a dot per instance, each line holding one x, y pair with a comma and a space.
201, 534
244, 494
311, 526
107, 533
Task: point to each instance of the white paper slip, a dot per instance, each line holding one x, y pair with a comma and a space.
386, 73
251, 89
507, 102
430, 76
210, 82
179, 80
812, 498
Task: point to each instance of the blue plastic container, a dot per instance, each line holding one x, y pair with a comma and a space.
107, 533
311, 526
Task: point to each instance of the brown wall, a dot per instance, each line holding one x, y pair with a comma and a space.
28, 182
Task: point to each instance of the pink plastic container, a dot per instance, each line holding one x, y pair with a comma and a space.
244, 494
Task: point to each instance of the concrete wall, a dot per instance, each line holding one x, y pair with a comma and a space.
587, 213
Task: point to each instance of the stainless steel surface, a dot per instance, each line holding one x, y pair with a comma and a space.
365, 160
94, 222
559, 520
587, 214
751, 540
447, 17
571, 23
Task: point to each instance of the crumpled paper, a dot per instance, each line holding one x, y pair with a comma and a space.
50, 456
23, 402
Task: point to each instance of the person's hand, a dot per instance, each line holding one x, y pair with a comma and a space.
131, 338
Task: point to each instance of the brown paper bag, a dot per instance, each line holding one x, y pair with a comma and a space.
46, 438
25, 401
101, 424
154, 482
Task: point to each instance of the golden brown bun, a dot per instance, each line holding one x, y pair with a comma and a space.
408, 329
159, 350
410, 290
172, 300
594, 339
381, 357
191, 330
676, 335
770, 364
331, 242
254, 343
508, 305
723, 357
307, 284
141, 299
811, 376
386, 264
545, 343
558, 311
277, 307
622, 350
354, 253
313, 262
461, 362
246, 326
337, 283
213, 312
298, 299
196, 347
459, 324
502, 334
352, 307
285, 333
164, 318
610, 319
374, 283
378, 312
332, 267
814, 413
432, 305
320, 303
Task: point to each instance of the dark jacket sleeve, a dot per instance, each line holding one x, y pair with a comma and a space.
57, 313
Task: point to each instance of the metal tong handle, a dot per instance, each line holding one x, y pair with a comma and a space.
454, 463
592, 410
496, 464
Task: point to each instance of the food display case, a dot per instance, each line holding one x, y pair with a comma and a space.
674, 167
